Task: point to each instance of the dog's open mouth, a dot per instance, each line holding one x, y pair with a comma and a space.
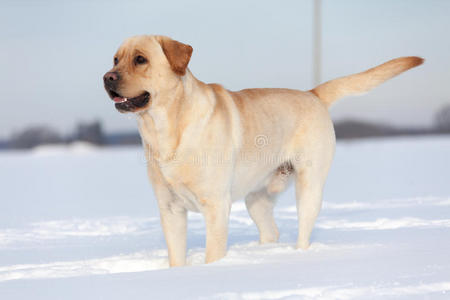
129, 104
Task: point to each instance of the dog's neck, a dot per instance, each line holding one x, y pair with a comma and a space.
175, 111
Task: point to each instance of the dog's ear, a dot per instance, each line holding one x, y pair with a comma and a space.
178, 54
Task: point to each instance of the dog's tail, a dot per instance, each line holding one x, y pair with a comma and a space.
355, 84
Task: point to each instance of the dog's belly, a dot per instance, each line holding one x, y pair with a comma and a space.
242, 188
252, 174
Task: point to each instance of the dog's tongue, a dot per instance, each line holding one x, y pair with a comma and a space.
120, 99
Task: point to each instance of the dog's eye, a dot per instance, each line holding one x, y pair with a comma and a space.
140, 60
116, 60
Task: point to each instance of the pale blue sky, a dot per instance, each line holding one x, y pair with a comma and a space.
53, 53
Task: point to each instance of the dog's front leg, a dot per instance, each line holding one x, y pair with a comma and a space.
174, 224
216, 220
173, 217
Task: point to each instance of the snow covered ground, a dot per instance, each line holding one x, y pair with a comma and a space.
81, 223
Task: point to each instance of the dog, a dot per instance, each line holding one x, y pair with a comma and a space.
208, 147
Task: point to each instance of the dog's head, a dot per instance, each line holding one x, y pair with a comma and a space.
144, 67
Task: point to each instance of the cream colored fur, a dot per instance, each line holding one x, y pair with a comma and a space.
208, 147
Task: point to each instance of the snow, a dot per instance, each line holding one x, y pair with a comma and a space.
81, 222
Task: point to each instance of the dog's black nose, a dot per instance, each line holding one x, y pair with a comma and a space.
111, 77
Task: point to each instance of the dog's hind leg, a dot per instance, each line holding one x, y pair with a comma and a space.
260, 208
311, 174
309, 201
260, 204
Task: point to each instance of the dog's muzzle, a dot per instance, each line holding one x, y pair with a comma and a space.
123, 104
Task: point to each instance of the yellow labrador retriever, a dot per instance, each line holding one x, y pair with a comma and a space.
208, 147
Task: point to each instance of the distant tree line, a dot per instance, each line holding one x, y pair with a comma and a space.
350, 129
93, 133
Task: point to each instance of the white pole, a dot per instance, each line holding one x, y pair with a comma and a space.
317, 36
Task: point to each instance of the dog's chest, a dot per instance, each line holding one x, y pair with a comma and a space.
181, 180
